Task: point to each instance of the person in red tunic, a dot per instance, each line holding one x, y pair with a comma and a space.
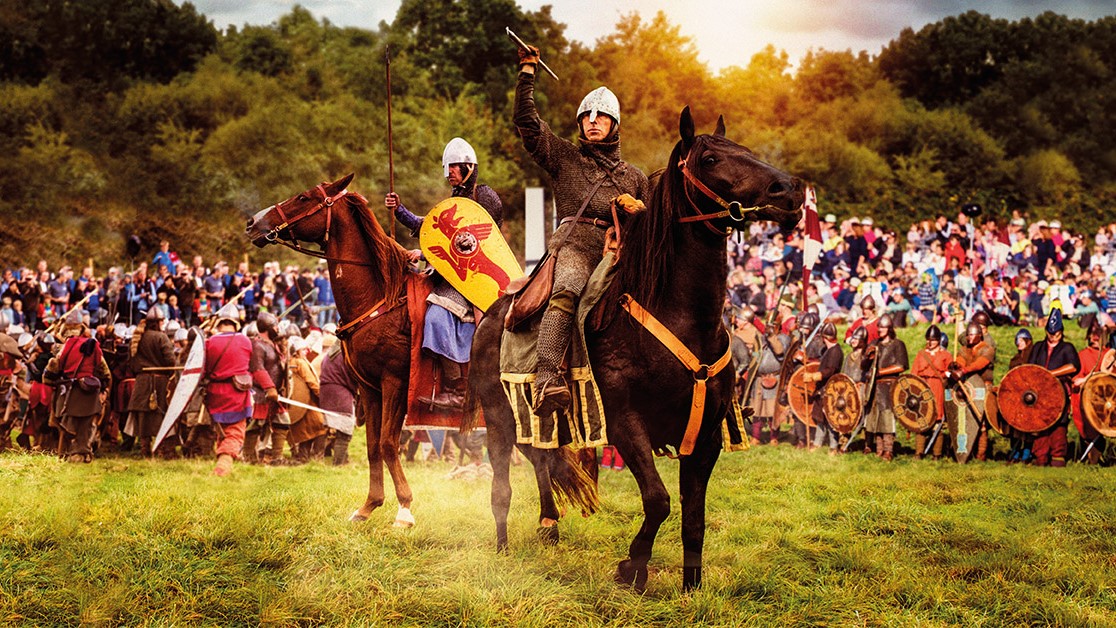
931, 364
1093, 358
228, 354
1060, 358
79, 374
868, 320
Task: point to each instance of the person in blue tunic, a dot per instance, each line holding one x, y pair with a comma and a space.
450, 321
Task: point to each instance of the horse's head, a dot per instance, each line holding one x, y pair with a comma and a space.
305, 216
727, 185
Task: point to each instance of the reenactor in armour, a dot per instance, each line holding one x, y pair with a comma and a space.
1059, 357
868, 320
765, 385
829, 364
1021, 443
890, 355
586, 178
805, 324
267, 383
1094, 358
931, 364
79, 374
152, 358
976, 360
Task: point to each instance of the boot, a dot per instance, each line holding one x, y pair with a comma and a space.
224, 465
249, 453
452, 396
341, 449
318, 447
888, 447
278, 446
552, 393
868, 439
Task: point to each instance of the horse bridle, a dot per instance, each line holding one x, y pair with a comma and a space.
733, 209
327, 203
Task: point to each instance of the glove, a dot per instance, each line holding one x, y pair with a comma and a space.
628, 203
272, 394
528, 56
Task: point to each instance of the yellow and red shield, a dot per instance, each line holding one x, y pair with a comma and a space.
463, 243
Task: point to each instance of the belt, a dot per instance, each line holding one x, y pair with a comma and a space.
596, 222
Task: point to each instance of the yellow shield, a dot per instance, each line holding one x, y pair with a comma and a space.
463, 243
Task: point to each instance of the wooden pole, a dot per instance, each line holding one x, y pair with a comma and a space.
391, 158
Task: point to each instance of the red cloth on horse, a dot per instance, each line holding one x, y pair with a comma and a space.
425, 376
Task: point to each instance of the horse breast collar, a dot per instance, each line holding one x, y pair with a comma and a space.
702, 372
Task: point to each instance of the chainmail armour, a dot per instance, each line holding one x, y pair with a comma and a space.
574, 172
881, 416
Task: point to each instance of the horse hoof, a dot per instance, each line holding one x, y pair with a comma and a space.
630, 576
356, 516
404, 519
691, 578
548, 534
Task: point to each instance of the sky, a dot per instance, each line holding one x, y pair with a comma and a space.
725, 32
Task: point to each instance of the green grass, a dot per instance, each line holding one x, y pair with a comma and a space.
793, 538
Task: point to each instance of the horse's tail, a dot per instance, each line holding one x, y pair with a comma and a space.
573, 486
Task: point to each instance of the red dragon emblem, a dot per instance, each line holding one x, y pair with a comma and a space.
465, 253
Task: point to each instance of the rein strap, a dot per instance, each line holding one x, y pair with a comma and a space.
702, 372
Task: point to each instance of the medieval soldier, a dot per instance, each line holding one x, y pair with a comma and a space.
867, 320
857, 366
1020, 443
586, 179
37, 422
975, 362
337, 393
1094, 358
450, 320
308, 436
266, 384
931, 364
814, 347
231, 370
79, 374
829, 365
890, 355
1060, 358
152, 358
765, 383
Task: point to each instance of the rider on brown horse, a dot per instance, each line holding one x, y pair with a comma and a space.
585, 180
450, 321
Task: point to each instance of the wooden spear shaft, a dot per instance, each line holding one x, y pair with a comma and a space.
391, 157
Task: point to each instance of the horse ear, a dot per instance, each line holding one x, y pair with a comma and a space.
686, 127
720, 126
342, 183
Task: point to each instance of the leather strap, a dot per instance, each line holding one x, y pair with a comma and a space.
702, 372
596, 222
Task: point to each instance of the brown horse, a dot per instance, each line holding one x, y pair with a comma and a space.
368, 272
673, 263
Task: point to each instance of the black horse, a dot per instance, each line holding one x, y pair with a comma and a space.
674, 264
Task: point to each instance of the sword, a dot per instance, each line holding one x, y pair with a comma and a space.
934, 437
1092, 444
522, 44
299, 404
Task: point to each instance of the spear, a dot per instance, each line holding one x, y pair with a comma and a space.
391, 158
522, 44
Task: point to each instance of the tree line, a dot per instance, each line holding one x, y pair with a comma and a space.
139, 117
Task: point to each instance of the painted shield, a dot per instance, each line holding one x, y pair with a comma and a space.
914, 403
1098, 402
992, 412
841, 403
1030, 398
188, 379
964, 411
799, 392
462, 242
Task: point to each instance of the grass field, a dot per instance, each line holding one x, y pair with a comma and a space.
793, 538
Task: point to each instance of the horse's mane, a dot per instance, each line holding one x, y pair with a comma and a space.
387, 254
649, 256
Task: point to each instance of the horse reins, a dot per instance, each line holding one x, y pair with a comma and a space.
326, 204
733, 210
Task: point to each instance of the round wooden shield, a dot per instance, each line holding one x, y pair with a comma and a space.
1098, 402
992, 413
1030, 398
841, 403
914, 403
799, 391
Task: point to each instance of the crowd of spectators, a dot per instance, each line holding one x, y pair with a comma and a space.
186, 292
935, 271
